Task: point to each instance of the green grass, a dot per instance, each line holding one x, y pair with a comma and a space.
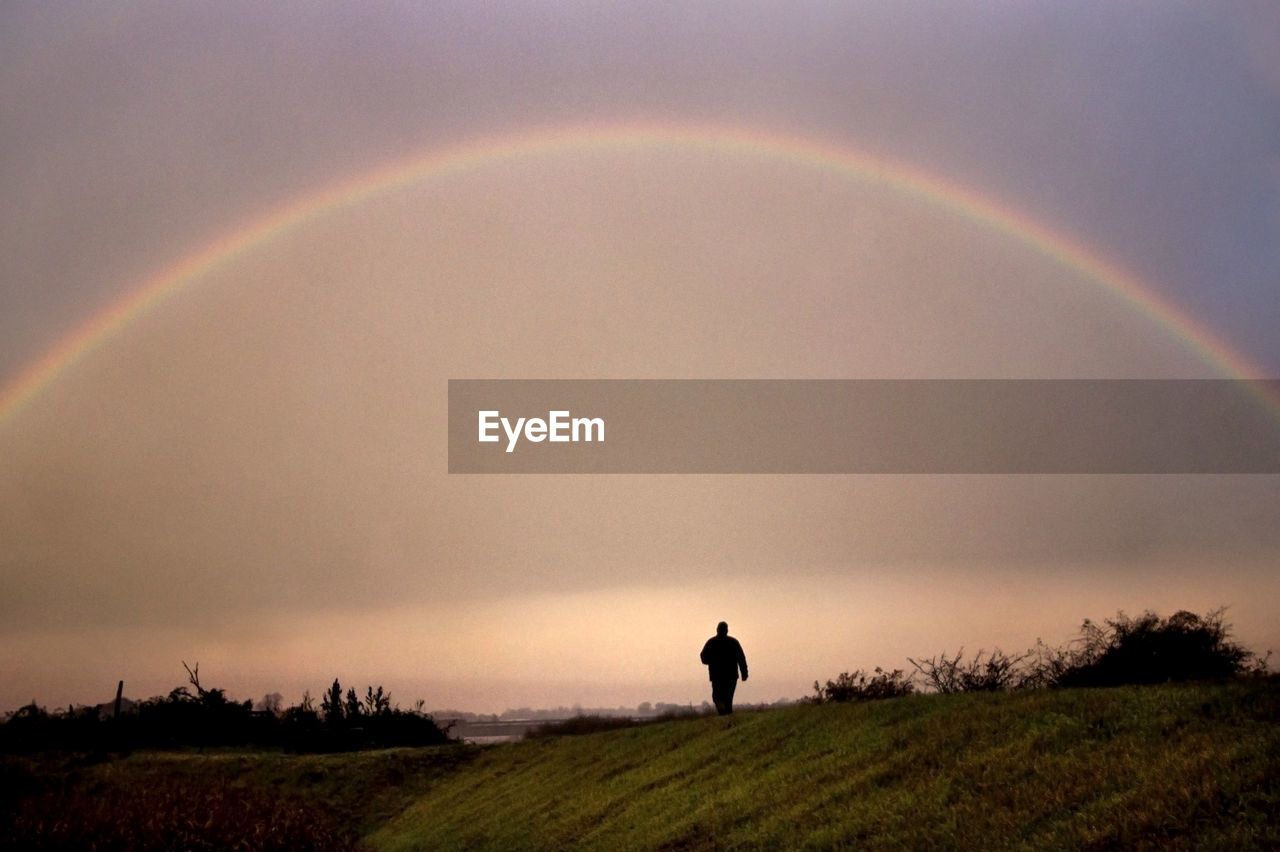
1190, 766
1153, 766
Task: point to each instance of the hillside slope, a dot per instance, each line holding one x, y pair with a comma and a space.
1166, 765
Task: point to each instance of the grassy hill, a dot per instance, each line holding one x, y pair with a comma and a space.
1167, 765
1173, 765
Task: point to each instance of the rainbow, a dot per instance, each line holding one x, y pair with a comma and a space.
900, 177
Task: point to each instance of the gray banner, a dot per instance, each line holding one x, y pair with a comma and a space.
864, 426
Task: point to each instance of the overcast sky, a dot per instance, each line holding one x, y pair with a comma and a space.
252, 475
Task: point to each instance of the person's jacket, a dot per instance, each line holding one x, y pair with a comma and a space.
723, 657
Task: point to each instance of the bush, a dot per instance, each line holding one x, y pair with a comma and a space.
859, 687
1123, 650
1043, 666
952, 674
208, 718
1149, 649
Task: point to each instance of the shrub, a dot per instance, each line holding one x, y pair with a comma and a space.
1123, 650
208, 718
953, 674
1149, 649
859, 687
1043, 666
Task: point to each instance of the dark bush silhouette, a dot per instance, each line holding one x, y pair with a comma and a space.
859, 687
347, 722
1149, 649
206, 717
953, 674
1123, 650
331, 704
1043, 666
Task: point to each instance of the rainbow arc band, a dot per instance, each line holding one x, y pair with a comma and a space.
638, 136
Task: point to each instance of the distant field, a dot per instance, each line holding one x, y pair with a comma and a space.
1163, 766
492, 732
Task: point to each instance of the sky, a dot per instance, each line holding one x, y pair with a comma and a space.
245, 245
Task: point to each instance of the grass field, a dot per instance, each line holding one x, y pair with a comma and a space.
212, 800
1162, 766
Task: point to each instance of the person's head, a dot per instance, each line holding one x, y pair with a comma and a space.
722, 629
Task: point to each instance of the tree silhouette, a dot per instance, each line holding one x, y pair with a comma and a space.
331, 704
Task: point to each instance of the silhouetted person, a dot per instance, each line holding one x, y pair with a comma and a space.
723, 657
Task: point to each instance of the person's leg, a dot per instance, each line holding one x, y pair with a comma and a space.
729, 687
717, 695
722, 695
